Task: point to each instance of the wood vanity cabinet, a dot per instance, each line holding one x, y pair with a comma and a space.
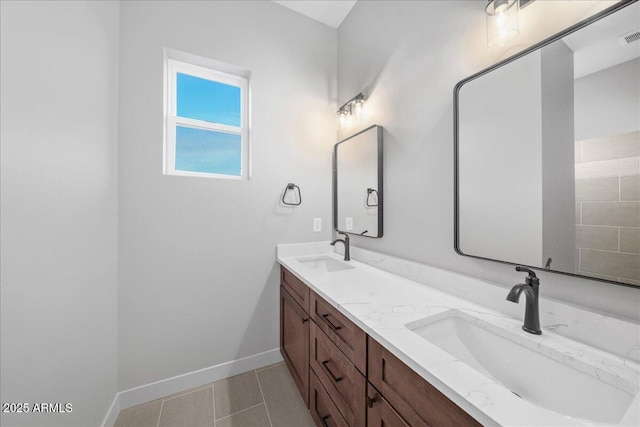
346, 378
294, 332
350, 339
339, 377
323, 411
296, 288
380, 413
417, 401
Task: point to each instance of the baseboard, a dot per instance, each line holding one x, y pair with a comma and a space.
148, 392
112, 414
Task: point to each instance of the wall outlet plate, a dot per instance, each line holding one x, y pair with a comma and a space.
317, 225
349, 223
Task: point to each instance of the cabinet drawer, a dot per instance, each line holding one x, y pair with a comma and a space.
298, 290
338, 376
323, 410
349, 338
380, 413
417, 401
294, 341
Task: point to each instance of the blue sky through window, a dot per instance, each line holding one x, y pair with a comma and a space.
207, 100
200, 150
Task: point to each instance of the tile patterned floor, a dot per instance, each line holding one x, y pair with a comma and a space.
265, 397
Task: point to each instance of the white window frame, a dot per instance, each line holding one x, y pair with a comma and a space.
172, 68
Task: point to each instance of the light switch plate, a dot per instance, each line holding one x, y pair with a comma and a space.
317, 225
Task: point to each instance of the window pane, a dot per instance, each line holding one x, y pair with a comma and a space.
207, 100
199, 150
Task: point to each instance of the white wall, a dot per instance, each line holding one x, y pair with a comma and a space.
407, 57
523, 191
558, 158
495, 189
198, 281
59, 68
357, 169
608, 102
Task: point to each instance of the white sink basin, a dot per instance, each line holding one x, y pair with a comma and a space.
324, 263
502, 355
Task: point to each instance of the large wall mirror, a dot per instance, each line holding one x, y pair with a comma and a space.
357, 180
548, 150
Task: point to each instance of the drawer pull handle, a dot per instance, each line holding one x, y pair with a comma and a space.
330, 323
324, 420
305, 319
371, 401
336, 379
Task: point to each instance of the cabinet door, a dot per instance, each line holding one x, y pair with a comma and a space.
294, 341
296, 288
379, 413
349, 338
323, 410
340, 378
415, 399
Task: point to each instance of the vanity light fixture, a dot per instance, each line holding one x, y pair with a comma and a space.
358, 104
343, 116
352, 107
502, 20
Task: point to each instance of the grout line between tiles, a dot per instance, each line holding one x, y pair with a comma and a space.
602, 226
619, 228
610, 252
239, 412
160, 414
263, 399
580, 212
213, 398
580, 259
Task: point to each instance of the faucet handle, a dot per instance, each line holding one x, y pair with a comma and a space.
531, 279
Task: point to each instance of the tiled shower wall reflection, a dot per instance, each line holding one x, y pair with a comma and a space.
608, 207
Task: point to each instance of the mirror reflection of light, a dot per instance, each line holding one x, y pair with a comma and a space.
357, 109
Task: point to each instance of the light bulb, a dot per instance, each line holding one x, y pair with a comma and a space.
502, 21
343, 115
357, 108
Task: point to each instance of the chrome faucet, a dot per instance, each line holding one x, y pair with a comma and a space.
530, 289
345, 241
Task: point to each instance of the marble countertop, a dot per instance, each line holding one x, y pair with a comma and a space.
382, 303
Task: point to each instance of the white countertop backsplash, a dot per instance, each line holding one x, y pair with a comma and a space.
384, 293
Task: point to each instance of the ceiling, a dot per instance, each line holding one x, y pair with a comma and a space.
329, 12
589, 57
597, 46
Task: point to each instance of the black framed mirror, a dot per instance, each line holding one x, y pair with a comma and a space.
357, 184
547, 147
